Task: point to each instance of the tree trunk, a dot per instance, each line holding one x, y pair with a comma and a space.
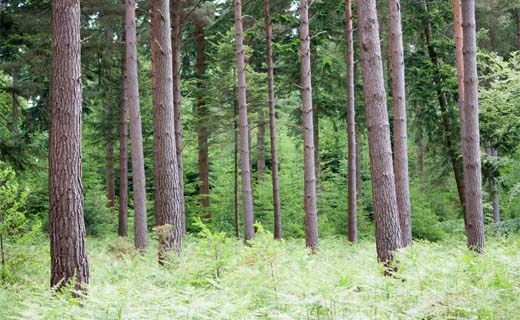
15, 115
453, 152
351, 126
202, 118
311, 215
66, 226
235, 139
359, 181
132, 85
247, 192
272, 124
168, 211
400, 129
518, 29
109, 131
388, 233
457, 31
260, 146
472, 162
492, 152
176, 16
122, 229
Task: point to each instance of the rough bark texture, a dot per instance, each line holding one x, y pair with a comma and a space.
176, 16
260, 146
109, 130
132, 85
351, 126
202, 118
453, 152
272, 123
311, 215
400, 128
247, 192
168, 211
66, 226
122, 229
235, 151
472, 162
457, 32
388, 233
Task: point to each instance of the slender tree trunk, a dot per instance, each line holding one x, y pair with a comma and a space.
472, 162
132, 85
247, 192
122, 229
492, 152
66, 226
359, 181
202, 118
109, 130
176, 16
457, 31
453, 152
168, 211
260, 146
272, 123
311, 215
235, 138
351, 126
15, 115
400, 129
388, 233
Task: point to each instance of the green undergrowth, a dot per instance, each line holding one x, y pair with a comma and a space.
219, 278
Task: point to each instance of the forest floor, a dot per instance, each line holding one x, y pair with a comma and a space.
220, 278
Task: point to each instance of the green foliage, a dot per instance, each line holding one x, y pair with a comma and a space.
276, 279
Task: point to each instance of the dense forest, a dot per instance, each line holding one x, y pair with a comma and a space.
275, 159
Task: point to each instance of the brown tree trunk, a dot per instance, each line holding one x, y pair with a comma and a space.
359, 181
311, 215
247, 192
472, 162
168, 211
176, 16
235, 139
122, 229
260, 146
272, 124
109, 130
132, 85
453, 152
457, 31
351, 126
400, 128
388, 233
66, 226
202, 118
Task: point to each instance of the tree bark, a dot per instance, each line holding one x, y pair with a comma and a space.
351, 126
168, 211
122, 229
453, 152
359, 181
272, 123
235, 139
247, 192
66, 226
457, 31
388, 233
176, 17
311, 215
260, 146
471, 159
139, 186
400, 128
109, 131
202, 118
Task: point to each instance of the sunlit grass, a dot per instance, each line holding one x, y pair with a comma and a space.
216, 279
